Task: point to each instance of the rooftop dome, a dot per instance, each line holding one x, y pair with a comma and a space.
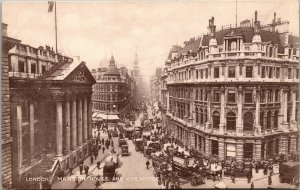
103, 63
256, 38
112, 68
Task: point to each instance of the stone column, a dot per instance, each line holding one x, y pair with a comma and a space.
285, 124
79, 121
257, 153
89, 117
222, 115
85, 123
208, 123
67, 126
239, 129
19, 134
257, 112
74, 124
293, 117
239, 150
283, 145
293, 146
207, 146
31, 125
221, 149
59, 129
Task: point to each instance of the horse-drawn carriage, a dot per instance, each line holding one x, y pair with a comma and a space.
139, 145
109, 171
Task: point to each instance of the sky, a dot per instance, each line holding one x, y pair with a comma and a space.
96, 30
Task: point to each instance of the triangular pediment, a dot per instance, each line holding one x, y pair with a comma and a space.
80, 74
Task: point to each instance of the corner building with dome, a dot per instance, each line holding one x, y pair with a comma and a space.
233, 93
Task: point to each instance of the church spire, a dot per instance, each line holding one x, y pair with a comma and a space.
136, 62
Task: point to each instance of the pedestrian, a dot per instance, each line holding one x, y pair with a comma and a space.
147, 164
92, 158
98, 184
86, 169
80, 168
256, 167
265, 170
71, 170
103, 149
112, 143
76, 181
270, 179
249, 177
98, 164
102, 141
252, 185
233, 177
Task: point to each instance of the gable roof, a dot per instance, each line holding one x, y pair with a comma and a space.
64, 70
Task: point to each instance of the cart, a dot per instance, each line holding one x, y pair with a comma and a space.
109, 171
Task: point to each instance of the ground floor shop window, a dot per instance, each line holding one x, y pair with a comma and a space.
230, 150
214, 148
270, 149
248, 150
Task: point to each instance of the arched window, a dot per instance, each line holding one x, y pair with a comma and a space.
231, 121
276, 119
269, 120
216, 120
248, 121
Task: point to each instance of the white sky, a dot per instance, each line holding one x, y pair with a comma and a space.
95, 30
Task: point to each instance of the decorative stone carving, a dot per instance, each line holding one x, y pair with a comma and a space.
80, 77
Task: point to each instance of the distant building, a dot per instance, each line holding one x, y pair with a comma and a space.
112, 91
233, 93
50, 111
155, 85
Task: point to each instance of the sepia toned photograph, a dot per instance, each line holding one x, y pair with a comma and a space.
156, 94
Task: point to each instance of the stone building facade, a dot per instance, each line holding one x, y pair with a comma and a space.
7, 44
112, 91
234, 92
51, 108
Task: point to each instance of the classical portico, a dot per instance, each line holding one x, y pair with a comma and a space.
51, 115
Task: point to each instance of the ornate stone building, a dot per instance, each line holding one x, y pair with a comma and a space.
234, 92
7, 44
112, 91
50, 103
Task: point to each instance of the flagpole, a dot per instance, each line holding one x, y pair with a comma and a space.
55, 27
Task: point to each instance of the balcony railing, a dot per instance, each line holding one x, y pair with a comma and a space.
24, 75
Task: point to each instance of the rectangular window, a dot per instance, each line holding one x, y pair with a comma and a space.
196, 74
21, 66
249, 71
231, 97
263, 72
277, 96
217, 96
201, 73
289, 73
277, 72
270, 72
43, 68
231, 72
248, 97
33, 68
216, 72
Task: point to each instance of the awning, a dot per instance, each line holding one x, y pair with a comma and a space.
105, 116
96, 117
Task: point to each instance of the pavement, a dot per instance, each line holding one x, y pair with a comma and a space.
69, 181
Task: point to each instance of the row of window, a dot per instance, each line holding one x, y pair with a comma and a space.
105, 107
106, 87
108, 97
266, 72
23, 67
